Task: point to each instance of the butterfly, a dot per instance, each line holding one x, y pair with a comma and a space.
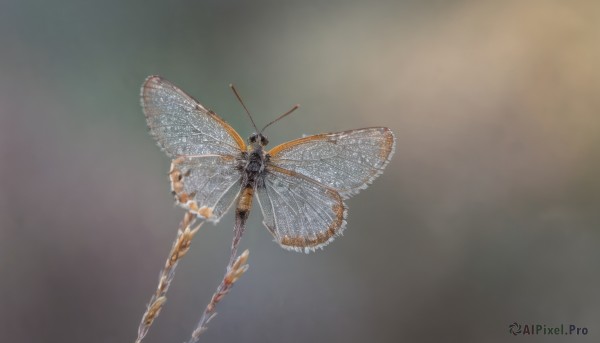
300, 185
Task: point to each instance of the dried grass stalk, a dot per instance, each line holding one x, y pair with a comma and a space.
234, 271
180, 247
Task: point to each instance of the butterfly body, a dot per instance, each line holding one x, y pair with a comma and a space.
253, 161
251, 165
300, 185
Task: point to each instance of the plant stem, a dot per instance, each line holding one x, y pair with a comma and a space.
181, 245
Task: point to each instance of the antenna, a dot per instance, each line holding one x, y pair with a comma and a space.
241, 102
281, 116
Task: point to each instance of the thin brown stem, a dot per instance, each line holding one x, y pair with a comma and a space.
182, 244
235, 269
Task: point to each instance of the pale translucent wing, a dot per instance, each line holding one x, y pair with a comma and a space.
205, 185
345, 161
182, 126
204, 175
301, 214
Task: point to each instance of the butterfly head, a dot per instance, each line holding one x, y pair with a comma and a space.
258, 139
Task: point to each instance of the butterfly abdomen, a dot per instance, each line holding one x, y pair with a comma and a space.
245, 201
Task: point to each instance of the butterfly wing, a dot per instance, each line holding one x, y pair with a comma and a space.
182, 126
205, 185
345, 161
301, 213
302, 193
204, 175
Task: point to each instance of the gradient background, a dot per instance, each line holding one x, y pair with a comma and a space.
487, 214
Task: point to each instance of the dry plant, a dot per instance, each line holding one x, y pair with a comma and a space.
180, 248
234, 272
235, 269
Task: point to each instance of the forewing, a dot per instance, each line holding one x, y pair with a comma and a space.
206, 185
345, 161
183, 127
301, 214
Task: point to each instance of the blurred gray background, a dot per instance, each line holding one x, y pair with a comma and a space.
487, 214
